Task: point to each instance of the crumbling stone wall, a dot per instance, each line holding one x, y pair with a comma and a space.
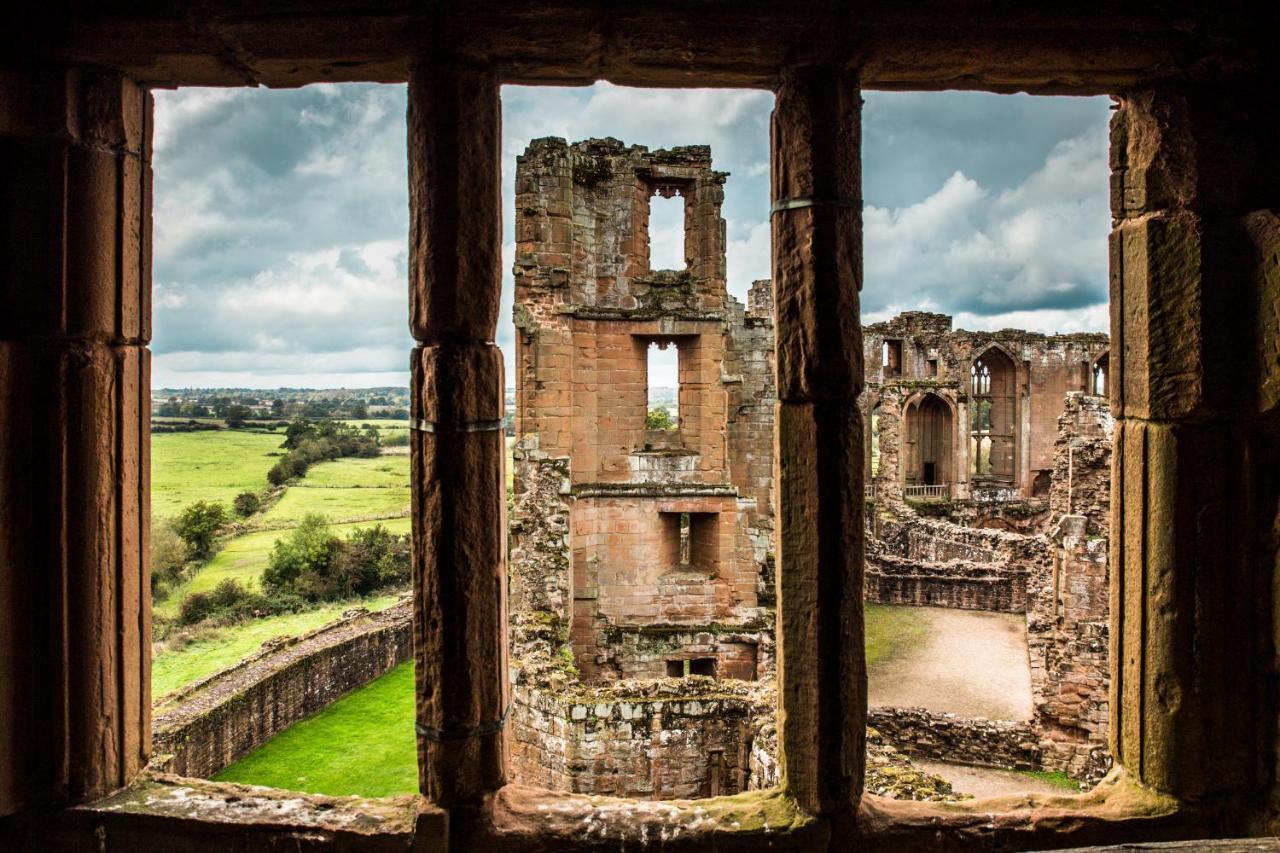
1007, 744
1068, 629
936, 359
210, 724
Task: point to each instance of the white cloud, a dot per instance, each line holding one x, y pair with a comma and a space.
1040, 245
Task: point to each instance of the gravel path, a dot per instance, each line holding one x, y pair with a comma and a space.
971, 663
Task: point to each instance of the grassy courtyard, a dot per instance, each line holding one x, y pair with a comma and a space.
363, 744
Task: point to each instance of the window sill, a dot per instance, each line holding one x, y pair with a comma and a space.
211, 816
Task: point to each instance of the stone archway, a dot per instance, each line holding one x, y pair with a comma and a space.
928, 435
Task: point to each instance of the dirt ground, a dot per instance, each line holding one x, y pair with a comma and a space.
985, 781
970, 663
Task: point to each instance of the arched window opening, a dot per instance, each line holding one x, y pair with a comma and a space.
928, 431
992, 434
1100, 368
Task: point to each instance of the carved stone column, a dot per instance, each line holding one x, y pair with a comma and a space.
817, 272
459, 501
75, 282
1195, 345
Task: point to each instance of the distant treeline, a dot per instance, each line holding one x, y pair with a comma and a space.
309, 442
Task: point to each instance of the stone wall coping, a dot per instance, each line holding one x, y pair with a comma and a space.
181, 707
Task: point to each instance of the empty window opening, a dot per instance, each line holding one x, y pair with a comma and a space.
690, 540
666, 228
928, 445
276, 415
933, 367
662, 410
891, 358
1099, 378
703, 666
873, 454
684, 667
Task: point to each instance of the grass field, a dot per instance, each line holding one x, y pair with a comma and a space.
244, 558
362, 744
337, 504
192, 466
219, 648
379, 472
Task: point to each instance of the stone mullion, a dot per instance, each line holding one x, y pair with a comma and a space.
457, 452
817, 274
74, 399
1187, 559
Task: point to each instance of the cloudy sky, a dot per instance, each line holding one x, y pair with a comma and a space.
281, 217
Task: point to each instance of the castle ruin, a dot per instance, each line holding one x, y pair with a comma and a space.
641, 571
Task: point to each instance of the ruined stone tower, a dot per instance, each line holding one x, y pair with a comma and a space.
637, 553
668, 527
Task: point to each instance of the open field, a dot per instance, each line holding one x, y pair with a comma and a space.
337, 504
244, 558
379, 472
362, 744
217, 466
218, 648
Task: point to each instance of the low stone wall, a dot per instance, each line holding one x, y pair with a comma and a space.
214, 722
957, 584
665, 739
1006, 744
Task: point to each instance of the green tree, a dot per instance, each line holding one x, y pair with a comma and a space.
659, 419
198, 525
237, 415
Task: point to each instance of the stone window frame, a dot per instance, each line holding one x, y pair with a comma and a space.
1184, 739
979, 392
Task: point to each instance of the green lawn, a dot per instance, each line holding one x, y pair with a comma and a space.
219, 648
363, 744
244, 558
379, 472
890, 628
192, 466
337, 504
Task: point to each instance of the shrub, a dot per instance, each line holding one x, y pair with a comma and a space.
305, 551
314, 565
196, 607
247, 503
168, 553
396, 438
229, 601
198, 524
